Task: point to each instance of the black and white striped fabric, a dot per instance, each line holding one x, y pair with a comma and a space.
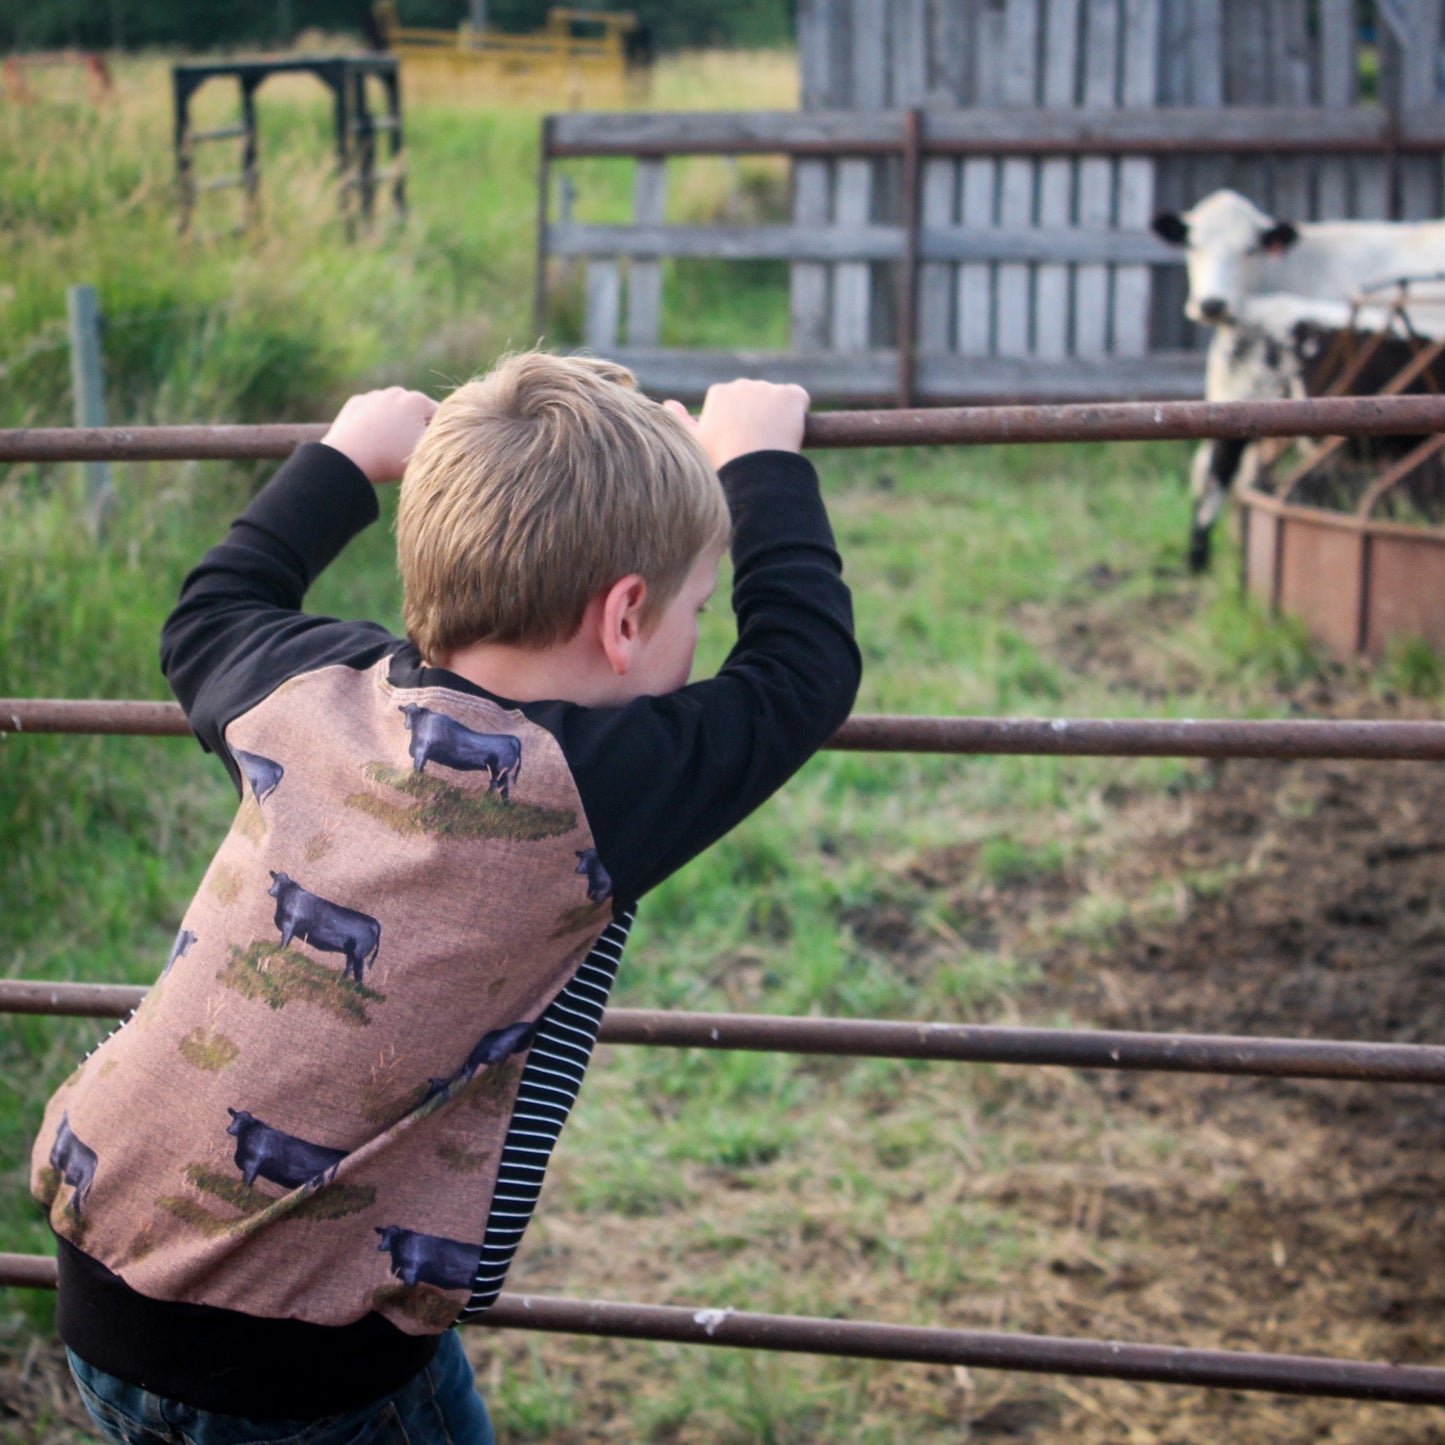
556, 1063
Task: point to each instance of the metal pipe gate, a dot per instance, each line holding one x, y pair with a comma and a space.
1093, 1049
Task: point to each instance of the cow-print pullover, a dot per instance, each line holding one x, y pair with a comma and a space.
319, 1141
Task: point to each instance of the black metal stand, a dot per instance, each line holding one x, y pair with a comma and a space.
356, 130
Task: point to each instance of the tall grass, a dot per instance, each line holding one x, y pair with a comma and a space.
961, 562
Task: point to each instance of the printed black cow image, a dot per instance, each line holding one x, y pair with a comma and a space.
263, 774
599, 881
428, 1258
491, 1048
268, 1153
436, 738
75, 1162
179, 949
327, 927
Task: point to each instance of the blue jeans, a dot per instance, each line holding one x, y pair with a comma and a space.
439, 1407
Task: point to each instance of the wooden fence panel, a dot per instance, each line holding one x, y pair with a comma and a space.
1291, 80
1016, 181
977, 182
1096, 178
1339, 85
852, 209
1139, 85
604, 306
938, 211
1410, 35
808, 281
644, 277
1053, 314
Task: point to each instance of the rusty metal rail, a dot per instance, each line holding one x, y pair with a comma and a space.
926, 1345
917, 426
892, 1039
1057, 737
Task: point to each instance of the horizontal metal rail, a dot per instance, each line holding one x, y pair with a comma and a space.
890, 1039
927, 1345
918, 426
1379, 741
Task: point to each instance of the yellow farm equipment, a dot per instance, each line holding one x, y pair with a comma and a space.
579, 57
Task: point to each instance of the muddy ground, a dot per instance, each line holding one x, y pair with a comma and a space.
1264, 898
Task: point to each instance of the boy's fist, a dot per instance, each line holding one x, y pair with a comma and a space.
379, 430
738, 417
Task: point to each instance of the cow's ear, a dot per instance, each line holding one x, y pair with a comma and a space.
1172, 227
1279, 238
232, 1112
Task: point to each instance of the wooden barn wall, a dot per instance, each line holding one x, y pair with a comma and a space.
1091, 54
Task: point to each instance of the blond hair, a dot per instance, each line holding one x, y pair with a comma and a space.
539, 485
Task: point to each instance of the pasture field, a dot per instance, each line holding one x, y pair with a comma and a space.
1245, 897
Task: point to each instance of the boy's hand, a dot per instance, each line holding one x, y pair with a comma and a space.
747, 416
379, 430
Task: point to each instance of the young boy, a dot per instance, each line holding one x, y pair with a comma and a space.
319, 1141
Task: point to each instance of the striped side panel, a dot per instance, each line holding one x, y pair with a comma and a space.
556, 1062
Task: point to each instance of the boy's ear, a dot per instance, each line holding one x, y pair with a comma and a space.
620, 623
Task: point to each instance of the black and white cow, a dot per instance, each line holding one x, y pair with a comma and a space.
1268, 287
436, 738
327, 927
428, 1258
75, 1162
268, 1153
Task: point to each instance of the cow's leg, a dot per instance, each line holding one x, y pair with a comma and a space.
1204, 504
288, 932
1215, 466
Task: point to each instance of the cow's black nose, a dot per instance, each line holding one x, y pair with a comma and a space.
1213, 309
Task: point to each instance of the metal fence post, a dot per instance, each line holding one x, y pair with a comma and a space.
87, 384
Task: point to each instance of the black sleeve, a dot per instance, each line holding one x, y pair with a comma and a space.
664, 777
236, 632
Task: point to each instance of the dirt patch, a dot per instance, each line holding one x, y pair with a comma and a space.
1266, 899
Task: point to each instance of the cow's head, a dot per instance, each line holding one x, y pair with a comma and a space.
281, 881
1228, 238
240, 1120
409, 712
388, 1233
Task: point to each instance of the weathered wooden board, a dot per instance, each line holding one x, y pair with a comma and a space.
842, 242
852, 204
871, 378
808, 281
604, 306
1138, 86
1013, 299
644, 278
1053, 280
1096, 178
1092, 129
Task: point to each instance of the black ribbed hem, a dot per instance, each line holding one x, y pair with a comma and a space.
231, 1363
